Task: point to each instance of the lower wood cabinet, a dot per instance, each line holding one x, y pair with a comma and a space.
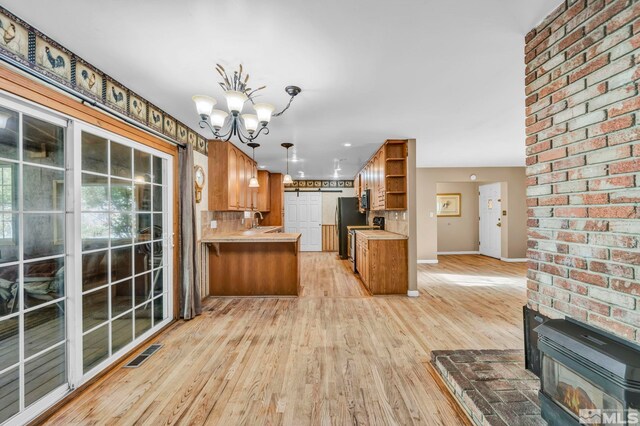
382, 264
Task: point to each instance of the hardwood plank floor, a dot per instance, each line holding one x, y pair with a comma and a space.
332, 356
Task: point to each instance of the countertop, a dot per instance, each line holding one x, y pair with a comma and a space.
262, 234
350, 227
375, 234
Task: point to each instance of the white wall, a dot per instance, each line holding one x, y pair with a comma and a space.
456, 234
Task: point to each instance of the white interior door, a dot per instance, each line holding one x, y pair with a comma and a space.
490, 220
303, 214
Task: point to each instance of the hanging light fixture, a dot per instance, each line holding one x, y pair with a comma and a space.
253, 182
287, 178
246, 127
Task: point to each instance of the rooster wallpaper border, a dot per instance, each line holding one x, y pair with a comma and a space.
313, 183
54, 61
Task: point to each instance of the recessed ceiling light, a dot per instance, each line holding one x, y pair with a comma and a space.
473, 177
347, 145
262, 166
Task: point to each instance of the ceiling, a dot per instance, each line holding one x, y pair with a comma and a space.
448, 73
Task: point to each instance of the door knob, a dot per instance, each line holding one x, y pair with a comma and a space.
499, 224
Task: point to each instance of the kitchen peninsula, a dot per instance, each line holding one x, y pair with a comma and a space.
244, 259
260, 261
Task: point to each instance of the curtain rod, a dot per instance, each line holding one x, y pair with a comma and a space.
86, 99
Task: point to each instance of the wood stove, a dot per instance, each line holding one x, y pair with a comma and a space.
588, 376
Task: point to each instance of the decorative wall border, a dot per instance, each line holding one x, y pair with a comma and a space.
23, 43
312, 183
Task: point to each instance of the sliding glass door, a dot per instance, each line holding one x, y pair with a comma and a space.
33, 339
124, 209
85, 243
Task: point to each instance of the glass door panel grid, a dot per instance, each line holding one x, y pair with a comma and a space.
123, 214
33, 339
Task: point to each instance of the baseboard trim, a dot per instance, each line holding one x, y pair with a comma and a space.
413, 293
514, 259
446, 253
422, 261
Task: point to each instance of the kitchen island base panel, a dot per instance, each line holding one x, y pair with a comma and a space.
254, 269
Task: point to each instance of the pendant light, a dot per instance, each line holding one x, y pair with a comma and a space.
253, 182
287, 178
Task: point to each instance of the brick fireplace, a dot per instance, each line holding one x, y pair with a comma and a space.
583, 164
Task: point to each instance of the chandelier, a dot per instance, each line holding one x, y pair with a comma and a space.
246, 127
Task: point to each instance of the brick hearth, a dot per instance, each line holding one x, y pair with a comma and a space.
492, 386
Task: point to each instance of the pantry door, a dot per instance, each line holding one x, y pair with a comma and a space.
303, 214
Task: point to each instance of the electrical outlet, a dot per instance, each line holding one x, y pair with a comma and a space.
247, 214
213, 224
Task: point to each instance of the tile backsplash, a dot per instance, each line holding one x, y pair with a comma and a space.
227, 222
394, 221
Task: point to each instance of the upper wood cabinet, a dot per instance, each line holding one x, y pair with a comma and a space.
264, 192
229, 172
385, 176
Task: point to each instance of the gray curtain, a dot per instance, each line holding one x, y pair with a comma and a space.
189, 264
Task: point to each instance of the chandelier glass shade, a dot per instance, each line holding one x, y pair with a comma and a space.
246, 127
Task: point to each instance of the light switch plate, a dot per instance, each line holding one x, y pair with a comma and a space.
213, 224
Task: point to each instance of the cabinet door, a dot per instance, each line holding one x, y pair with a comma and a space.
381, 180
374, 182
264, 192
242, 182
252, 193
232, 187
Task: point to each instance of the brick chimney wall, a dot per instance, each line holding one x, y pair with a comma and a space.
583, 164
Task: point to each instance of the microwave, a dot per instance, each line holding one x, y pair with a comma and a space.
365, 200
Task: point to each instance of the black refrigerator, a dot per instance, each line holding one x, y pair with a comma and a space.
347, 214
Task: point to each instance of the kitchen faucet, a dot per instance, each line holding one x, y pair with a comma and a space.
255, 222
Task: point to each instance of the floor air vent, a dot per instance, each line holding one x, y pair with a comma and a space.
137, 361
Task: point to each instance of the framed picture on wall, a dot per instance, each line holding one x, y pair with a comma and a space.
448, 205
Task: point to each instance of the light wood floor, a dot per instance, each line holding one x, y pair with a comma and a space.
332, 356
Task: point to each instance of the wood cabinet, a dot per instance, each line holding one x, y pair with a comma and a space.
275, 215
264, 192
382, 264
229, 172
385, 176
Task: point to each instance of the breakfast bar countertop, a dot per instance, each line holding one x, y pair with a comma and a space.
376, 234
262, 234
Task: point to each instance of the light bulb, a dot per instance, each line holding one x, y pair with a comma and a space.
264, 112
235, 100
204, 104
217, 118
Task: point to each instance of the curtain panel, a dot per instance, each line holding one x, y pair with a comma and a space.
190, 300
